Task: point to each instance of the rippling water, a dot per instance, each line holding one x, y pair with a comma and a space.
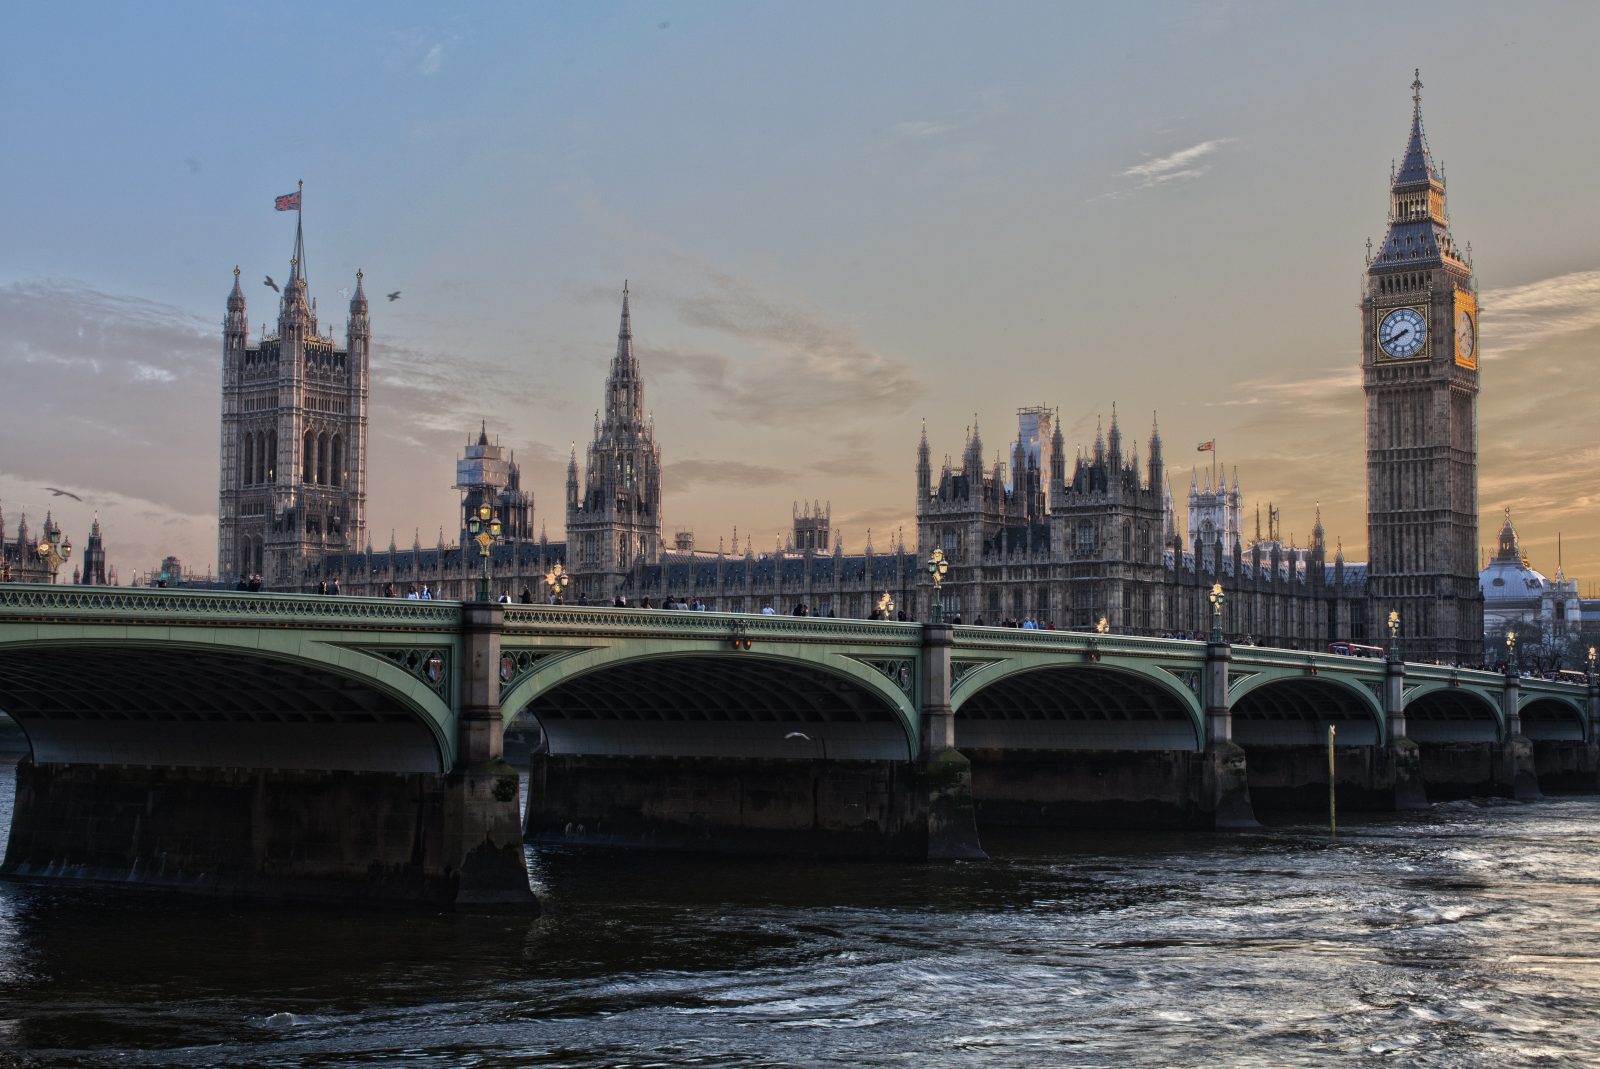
1464, 936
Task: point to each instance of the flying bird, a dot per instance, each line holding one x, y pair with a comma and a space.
63, 493
395, 296
273, 284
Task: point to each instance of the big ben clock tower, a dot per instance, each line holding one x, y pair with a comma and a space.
1419, 368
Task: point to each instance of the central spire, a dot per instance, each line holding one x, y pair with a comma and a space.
1419, 221
624, 389
1417, 166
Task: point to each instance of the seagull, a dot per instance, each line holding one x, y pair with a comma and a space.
395, 296
63, 493
273, 284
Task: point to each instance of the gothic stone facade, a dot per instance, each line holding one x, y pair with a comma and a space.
1070, 548
294, 437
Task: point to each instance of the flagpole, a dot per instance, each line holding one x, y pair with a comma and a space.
300, 219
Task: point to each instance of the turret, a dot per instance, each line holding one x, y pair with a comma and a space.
1114, 446
572, 480
295, 309
1169, 527
972, 462
1058, 465
236, 323
359, 326
924, 470
1157, 465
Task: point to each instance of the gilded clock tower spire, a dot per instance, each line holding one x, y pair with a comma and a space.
1419, 362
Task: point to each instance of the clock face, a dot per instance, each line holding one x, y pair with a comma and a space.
1402, 332
1466, 336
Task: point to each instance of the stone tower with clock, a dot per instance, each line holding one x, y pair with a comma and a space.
1419, 363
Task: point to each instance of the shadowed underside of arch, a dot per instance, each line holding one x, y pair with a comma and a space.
1075, 707
719, 706
1297, 711
1454, 715
1549, 719
188, 707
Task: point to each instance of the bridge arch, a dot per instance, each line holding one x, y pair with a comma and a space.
1026, 704
1294, 709
720, 703
1546, 718
234, 699
1438, 713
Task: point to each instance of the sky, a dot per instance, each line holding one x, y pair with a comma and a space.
836, 220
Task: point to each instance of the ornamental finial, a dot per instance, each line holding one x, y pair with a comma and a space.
1416, 88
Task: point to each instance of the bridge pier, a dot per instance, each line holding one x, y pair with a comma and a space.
1402, 767
483, 829
1225, 782
944, 774
1515, 766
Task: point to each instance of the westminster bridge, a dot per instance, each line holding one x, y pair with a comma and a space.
304, 746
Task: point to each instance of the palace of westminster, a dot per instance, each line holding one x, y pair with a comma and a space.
1062, 540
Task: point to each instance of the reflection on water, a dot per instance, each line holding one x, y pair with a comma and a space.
1464, 936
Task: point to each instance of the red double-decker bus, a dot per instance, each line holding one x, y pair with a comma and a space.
1355, 649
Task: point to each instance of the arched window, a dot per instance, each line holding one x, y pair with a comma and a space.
271, 472
322, 459
308, 463
336, 462
247, 460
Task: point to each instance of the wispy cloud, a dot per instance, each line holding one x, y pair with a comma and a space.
791, 368
418, 389
1525, 317
430, 62
1184, 165
684, 475
985, 105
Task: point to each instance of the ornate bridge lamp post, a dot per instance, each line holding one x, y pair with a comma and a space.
1591, 664
886, 607
938, 568
1511, 653
1103, 627
557, 579
1394, 635
484, 527
1216, 597
54, 552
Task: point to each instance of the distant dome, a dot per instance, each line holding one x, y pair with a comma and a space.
1508, 577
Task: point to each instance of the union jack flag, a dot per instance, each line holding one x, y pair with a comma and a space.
289, 202
1207, 447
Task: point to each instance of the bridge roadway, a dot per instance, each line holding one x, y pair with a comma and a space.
303, 746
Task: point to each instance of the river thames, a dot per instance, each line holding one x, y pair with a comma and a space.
1463, 936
